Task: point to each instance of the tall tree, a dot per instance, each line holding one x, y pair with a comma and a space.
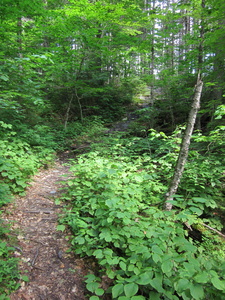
184, 148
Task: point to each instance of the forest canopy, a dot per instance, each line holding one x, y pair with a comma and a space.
81, 58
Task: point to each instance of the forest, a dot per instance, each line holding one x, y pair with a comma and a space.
134, 92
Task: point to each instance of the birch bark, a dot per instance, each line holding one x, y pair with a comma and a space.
184, 146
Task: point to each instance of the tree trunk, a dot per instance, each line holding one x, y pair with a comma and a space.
152, 66
80, 106
67, 112
184, 146
19, 36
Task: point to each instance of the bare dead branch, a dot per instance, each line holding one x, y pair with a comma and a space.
213, 229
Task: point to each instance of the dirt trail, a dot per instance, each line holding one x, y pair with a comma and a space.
53, 273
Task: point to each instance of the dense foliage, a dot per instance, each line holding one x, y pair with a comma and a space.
70, 67
115, 214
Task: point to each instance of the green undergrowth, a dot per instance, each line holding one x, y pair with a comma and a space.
9, 273
19, 160
115, 212
23, 150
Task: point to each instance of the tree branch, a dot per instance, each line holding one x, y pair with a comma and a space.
213, 229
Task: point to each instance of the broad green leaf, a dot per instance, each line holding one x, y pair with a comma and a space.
157, 284
94, 298
156, 257
99, 292
190, 269
106, 235
130, 289
202, 277
167, 266
79, 240
145, 278
110, 219
111, 274
123, 266
170, 295
146, 255
57, 202
112, 202
196, 210
120, 215
4, 77
70, 183
218, 284
199, 199
138, 298
98, 253
115, 260
92, 286
150, 232
61, 227
5, 125
213, 273
90, 278
197, 291
131, 267
25, 278
117, 290
136, 270
182, 285
154, 296
87, 183
157, 249
108, 252
185, 296
138, 178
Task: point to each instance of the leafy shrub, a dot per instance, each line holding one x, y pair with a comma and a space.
9, 273
145, 251
87, 131
17, 164
43, 136
91, 127
204, 171
18, 160
5, 194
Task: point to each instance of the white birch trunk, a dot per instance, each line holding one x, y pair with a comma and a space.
184, 146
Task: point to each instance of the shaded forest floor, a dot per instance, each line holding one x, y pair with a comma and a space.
54, 274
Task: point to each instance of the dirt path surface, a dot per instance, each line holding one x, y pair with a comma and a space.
53, 273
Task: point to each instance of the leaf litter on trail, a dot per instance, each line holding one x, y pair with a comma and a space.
49, 270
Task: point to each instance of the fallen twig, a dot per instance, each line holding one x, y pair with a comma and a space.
18, 248
213, 229
32, 240
37, 268
35, 257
